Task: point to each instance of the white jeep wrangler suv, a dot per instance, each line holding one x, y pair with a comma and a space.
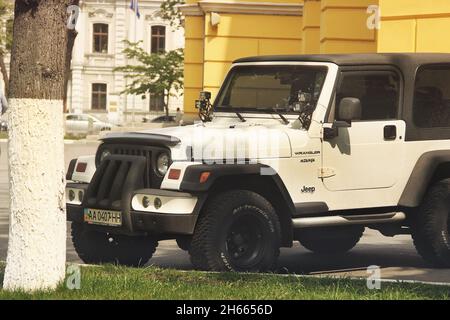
308, 148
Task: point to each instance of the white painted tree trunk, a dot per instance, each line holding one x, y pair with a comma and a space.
37, 230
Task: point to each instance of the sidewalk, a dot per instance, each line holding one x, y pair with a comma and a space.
67, 141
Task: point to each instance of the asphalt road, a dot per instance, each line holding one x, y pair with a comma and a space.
396, 256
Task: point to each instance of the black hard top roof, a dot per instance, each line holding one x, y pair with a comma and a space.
403, 60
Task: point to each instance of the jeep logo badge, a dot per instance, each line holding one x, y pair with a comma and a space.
306, 189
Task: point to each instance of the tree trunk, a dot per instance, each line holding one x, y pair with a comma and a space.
4, 72
37, 233
166, 107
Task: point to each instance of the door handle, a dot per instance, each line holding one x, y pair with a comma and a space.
390, 132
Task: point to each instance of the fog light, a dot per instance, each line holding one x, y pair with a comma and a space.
145, 202
157, 203
71, 195
80, 195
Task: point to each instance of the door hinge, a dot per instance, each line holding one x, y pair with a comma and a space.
326, 173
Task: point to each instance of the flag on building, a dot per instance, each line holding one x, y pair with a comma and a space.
134, 5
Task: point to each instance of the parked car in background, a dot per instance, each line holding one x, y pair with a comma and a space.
159, 119
162, 119
84, 124
172, 121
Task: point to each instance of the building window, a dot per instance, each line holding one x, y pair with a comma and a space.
156, 102
431, 108
99, 92
158, 39
100, 38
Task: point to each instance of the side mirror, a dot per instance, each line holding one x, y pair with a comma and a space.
350, 109
332, 130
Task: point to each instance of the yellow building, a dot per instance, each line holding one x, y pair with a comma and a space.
219, 31
414, 26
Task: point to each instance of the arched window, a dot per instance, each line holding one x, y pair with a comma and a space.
158, 40
100, 38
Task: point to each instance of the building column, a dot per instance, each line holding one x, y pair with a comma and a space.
344, 29
76, 91
194, 55
118, 102
311, 27
76, 100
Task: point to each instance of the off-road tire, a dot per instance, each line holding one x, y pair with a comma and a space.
184, 242
430, 227
98, 248
237, 230
329, 240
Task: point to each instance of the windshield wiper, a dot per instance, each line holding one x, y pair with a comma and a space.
240, 117
236, 112
285, 121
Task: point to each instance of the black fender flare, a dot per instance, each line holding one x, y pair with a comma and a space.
421, 176
283, 201
191, 180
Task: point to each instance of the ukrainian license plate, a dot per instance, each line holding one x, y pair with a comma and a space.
103, 217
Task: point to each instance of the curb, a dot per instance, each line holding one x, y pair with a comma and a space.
83, 141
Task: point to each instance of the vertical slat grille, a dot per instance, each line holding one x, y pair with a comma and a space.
134, 150
109, 182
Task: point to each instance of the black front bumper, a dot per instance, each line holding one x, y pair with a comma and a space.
161, 225
112, 188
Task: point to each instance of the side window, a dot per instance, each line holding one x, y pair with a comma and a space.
378, 91
431, 107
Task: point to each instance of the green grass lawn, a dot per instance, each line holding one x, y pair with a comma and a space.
110, 282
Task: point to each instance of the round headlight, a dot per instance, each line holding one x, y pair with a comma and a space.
162, 163
104, 154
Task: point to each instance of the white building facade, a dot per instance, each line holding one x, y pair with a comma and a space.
95, 87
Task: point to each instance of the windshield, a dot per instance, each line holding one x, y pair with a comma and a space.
286, 89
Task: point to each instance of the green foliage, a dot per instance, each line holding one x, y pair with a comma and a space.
5, 38
170, 12
159, 74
